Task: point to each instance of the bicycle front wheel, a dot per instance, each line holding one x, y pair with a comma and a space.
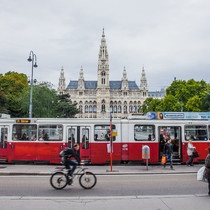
58, 180
87, 180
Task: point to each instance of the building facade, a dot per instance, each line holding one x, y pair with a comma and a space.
96, 99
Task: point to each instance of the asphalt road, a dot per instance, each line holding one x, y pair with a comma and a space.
121, 185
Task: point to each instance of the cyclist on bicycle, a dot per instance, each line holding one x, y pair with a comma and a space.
67, 159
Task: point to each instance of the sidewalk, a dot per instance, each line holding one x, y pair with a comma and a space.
12, 169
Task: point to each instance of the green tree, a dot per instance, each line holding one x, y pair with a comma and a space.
206, 103
181, 95
65, 108
168, 103
185, 92
3, 103
13, 85
44, 101
150, 104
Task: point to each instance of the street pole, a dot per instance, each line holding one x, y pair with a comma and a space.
32, 58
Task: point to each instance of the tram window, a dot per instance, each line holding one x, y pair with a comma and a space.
24, 132
50, 132
102, 132
85, 138
144, 132
196, 132
3, 139
209, 132
71, 136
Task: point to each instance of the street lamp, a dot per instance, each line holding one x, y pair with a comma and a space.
32, 57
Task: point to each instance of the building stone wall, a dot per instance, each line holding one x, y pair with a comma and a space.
96, 99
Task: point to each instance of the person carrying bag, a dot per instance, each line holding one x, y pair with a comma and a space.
190, 153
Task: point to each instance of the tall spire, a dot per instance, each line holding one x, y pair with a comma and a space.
103, 64
143, 83
124, 80
81, 81
62, 82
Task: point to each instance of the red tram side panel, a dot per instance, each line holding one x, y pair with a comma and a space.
45, 138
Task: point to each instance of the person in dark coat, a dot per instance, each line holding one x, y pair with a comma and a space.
168, 152
67, 159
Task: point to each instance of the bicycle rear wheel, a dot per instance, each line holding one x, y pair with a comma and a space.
87, 180
58, 180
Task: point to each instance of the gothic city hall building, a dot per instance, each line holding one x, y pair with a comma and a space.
99, 98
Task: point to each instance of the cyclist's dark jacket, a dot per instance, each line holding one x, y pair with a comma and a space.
70, 152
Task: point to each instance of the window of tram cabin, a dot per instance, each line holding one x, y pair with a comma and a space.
144, 133
50, 132
3, 137
23, 132
209, 131
71, 137
102, 132
196, 132
85, 138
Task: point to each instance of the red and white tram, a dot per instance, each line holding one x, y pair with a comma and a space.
41, 140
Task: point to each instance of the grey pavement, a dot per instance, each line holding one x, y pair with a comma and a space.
160, 202
27, 169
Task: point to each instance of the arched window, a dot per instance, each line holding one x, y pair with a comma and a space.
80, 109
86, 108
103, 78
111, 108
139, 109
115, 108
119, 109
125, 109
103, 106
94, 107
90, 109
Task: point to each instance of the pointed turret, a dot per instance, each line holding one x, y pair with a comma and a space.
103, 64
62, 82
81, 81
143, 83
124, 80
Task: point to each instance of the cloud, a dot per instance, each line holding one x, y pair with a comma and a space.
169, 38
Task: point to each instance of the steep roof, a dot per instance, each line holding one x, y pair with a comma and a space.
114, 85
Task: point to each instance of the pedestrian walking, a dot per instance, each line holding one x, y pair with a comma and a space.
190, 150
168, 151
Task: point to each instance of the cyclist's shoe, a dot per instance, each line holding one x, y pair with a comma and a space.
70, 180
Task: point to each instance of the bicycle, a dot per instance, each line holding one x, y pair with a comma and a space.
60, 179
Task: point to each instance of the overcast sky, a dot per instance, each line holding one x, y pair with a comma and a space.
170, 38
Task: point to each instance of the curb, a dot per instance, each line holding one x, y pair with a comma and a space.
96, 173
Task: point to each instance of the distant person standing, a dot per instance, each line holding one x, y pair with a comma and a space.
168, 151
207, 170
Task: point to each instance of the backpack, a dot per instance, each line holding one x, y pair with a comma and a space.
63, 153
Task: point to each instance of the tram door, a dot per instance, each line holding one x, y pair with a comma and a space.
80, 135
85, 144
174, 133
3, 143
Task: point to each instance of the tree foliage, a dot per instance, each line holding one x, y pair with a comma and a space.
12, 85
15, 97
44, 101
181, 95
206, 103
65, 108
